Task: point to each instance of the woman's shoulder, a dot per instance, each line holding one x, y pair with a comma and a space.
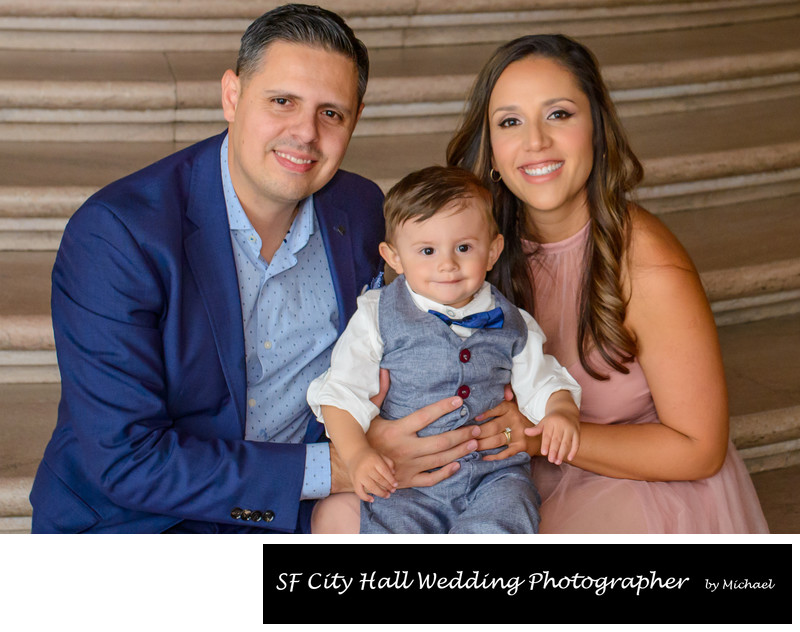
653, 246
660, 270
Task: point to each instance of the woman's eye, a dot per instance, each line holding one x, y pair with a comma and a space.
509, 122
560, 114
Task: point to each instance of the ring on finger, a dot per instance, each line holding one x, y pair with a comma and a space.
507, 433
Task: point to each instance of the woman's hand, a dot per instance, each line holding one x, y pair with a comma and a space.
506, 415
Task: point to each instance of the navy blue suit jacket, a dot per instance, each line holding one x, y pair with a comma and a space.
148, 331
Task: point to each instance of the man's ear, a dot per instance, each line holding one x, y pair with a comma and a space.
495, 248
390, 256
231, 90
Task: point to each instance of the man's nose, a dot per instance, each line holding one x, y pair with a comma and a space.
305, 127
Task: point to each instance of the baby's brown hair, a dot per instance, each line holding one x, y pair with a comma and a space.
422, 194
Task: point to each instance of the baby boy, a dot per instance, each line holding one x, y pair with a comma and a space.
441, 330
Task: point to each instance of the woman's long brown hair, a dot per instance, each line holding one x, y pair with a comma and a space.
615, 173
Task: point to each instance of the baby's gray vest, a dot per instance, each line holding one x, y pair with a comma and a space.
428, 362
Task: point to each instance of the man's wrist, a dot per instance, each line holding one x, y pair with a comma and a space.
317, 473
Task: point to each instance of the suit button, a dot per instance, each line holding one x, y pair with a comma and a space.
463, 391
465, 355
236, 513
257, 516
268, 515
246, 514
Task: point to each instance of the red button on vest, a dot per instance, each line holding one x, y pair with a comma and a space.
465, 355
463, 392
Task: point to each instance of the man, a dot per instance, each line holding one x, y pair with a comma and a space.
194, 301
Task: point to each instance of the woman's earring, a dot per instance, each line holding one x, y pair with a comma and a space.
495, 176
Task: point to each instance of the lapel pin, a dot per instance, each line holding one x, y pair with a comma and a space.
340, 230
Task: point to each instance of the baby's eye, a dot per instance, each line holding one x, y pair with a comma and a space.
427, 251
463, 248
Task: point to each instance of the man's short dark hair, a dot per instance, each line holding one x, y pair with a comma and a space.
302, 24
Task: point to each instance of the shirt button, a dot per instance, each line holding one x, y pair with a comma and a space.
465, 355
463, 412
463, 391
251, 403
268, 345
269, 515
450, 313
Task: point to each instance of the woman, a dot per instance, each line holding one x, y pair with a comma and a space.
618, 297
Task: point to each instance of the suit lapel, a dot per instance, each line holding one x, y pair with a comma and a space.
210, 256
334, 223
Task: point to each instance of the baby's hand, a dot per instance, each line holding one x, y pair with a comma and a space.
372, 473
560, 436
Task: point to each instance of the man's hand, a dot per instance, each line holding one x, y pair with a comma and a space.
414, 456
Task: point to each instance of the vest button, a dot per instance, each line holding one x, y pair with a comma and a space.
465, 355
463, 391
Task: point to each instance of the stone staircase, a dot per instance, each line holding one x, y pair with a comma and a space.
709, 92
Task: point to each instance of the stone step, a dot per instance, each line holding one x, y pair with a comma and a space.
747, 255
728, 154
679, 148
762, 369
174, 96
26, 423
214, 25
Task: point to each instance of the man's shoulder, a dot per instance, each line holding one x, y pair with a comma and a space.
154, 201
346, 184
172, 172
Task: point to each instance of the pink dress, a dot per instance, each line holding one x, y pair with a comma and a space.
578, 501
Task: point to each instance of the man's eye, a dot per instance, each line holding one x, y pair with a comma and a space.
280, 100
332, 114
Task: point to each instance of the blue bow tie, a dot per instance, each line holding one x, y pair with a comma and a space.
493, 319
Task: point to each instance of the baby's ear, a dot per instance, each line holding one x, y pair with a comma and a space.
495, 248
390, 256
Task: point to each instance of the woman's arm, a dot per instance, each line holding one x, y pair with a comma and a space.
679, 353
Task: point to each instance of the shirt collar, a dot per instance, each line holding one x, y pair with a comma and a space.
302, 227
482, 301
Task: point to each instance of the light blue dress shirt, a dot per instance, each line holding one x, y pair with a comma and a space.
290, 319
